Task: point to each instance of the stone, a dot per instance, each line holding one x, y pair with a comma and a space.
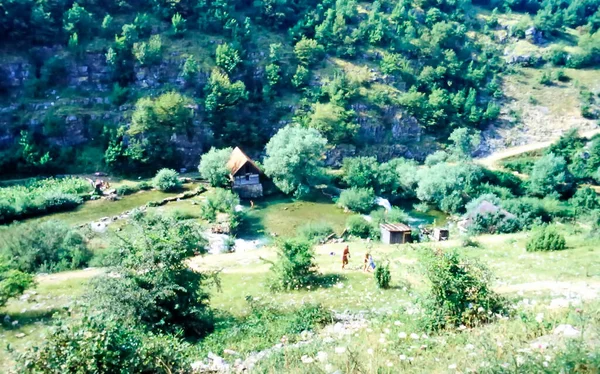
20, 335
567, 331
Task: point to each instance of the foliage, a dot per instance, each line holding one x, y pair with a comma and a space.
213, 166
315, 231
333, 122
264, 325
295, 267
308, 51
294, 159
549, 175
95, 344
448, 186
546, 239
48, 246
219, 201
166, 180
227, 58
36, 197
154, 286
464, 142
152, 124
12, 282
585, 200
461, 293
358, 226
383, 276
179, 25
360, 200
360, 171
148, 53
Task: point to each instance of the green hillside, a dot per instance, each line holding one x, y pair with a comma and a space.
81, 83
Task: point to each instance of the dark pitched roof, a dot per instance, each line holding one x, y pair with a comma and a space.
237, 160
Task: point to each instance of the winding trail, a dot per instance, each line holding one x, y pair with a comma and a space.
491, 161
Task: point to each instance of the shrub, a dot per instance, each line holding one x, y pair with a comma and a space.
44, 247
37, 197
585, 200
12, 282
127, 189
95, 344
166, 180
213, 166
295, 267
546, 239
521, 165
396, 215
219, 201
358, 226
315, 231
383, 277
461, 293
153, 286
360, 200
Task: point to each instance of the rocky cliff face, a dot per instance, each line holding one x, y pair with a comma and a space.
74, 118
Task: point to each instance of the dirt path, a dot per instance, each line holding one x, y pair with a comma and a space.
492, 160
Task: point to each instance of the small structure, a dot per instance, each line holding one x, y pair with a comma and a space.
244, 175
440, 234
395, 233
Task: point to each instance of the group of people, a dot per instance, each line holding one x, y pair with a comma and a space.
368, 263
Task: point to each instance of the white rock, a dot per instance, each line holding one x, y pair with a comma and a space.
567, 331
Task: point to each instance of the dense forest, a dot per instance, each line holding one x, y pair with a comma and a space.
170, 77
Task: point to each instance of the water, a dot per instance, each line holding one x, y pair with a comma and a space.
384, 203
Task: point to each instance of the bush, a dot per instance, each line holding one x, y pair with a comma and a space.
37, 197
358, 226
127, 189
396, 215
360, 200
95, 344
213, 166
219, 201
585, 200
546, 239
166, 180
315, 231
461, 293
153, 286
12, 282
49, 246
383, 277
295, 267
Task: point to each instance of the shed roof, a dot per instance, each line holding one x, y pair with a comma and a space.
237, 160
395, 227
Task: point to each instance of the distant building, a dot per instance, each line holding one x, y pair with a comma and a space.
440, 234
395, 233
245, 175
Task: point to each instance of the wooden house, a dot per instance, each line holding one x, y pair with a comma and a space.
395, 233
245, 175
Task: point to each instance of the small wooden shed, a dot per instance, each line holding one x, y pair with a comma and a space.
395, 233
440, 234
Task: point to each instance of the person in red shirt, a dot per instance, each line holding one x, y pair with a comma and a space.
345, 257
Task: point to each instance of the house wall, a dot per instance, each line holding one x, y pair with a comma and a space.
241, 180
248, 191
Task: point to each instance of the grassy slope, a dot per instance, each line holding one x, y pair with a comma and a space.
536, 276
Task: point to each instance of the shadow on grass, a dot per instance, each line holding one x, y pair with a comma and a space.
27, 318
251, 227
327, 280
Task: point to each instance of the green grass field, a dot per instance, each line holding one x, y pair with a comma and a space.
538, 277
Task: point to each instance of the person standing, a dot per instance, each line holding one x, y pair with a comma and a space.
345, 257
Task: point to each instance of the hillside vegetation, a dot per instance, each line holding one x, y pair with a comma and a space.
135, 86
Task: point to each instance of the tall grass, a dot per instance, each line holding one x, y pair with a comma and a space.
38, 197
